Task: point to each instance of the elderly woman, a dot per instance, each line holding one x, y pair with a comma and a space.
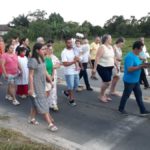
104, 64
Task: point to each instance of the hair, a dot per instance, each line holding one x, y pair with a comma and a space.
22, 40
7, 47
137, 45
78, 40
105, 37
21, 49
67, 39
39, 39
120, 40
50, 41
37, 47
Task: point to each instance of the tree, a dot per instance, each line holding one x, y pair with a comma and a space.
21, 20
37, 15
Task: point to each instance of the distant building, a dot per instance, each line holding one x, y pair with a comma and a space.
4, 29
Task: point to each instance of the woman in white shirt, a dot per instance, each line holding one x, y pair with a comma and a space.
104, 64
116, 70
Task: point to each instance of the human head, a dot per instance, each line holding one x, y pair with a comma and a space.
24, 41
38, 51
40, 40
50, 42
137, 47
78, 43
120, 42
106, 39
69, 43
97, 40
85, 41
49, 49
141, 39
22, 51
9, 48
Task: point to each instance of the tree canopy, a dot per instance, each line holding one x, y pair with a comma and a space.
37, 23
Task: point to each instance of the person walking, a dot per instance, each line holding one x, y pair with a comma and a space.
104, 64
37, 84
71, 74
93, 51
116, 70
132, 71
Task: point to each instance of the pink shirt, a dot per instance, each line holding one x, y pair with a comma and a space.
11, 63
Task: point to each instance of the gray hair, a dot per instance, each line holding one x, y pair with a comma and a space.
105, 37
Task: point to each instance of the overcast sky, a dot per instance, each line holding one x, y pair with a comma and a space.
95, 11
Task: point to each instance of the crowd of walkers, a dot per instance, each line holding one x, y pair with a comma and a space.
33, 72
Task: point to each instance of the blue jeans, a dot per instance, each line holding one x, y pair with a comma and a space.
72, 81
128, 88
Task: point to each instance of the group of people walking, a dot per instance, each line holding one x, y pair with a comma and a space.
33, 72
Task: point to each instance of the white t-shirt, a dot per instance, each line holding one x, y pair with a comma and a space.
68, 56
85, 53
23, 79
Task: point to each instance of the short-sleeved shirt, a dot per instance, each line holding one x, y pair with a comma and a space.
93, 50
11, 63
68, 56
131, 60
49, 65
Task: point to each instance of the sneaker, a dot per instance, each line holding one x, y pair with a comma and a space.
54, 108
65, 93
145, 113
8, 97
15, 102
123, 112
33, 121
23, 96
52, 127
72, 103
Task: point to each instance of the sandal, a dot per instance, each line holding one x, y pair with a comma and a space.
33, 121
52, 127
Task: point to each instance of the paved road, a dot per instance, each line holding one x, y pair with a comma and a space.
90, 125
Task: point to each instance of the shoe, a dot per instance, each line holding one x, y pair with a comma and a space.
65, 93
8, 97
79, 89
55, 107
33, 121
123, 112
145, 113
72, 103
15, 102
23, 96
89, 89
52, 127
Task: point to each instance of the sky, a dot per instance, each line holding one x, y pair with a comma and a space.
95, 11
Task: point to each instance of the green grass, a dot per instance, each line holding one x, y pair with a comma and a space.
11, 140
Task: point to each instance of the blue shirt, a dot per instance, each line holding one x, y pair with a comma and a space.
131, 60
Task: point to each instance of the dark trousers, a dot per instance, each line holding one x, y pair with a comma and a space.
128, 88
93, 62
143, 78
83, 73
